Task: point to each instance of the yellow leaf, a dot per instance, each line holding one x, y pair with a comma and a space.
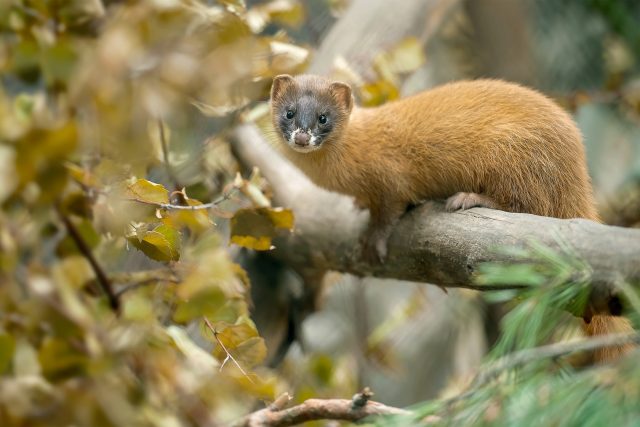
407, 56
148, 191
280, 217
162, 243
7, 347
257, 243
254, 228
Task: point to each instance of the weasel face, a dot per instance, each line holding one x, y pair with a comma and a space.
305, 123
309, 111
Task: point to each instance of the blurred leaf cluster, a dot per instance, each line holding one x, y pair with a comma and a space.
115, 173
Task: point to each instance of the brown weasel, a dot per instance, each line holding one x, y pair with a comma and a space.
476, 143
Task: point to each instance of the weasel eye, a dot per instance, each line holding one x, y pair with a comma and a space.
290, 114
322, 119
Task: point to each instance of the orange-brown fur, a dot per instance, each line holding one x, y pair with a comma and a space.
486, 136
511, 147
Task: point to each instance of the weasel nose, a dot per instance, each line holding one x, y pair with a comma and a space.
302, 139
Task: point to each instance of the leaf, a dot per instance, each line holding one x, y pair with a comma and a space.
59, 359
81, 175
242, 342
254, 228
148, 191
201, 360
8, 172
378, 93
196, 220
161, 244
25, 359
287, 12
58, 62
407, 56
280, 217
231, 336
137, 307
251, 352
211, 303
7, 348
288, 58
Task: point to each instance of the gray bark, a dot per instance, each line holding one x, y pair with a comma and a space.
429, 244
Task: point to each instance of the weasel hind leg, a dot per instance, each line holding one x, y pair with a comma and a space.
464, 201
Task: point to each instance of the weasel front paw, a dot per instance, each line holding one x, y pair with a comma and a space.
469, 200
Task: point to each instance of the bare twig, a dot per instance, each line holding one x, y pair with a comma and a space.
171, 206
101, 277
229, 356
136, 279
165, 155
358, 408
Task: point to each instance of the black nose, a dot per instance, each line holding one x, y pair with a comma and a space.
302, 139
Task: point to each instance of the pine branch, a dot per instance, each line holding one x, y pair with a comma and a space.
551, 351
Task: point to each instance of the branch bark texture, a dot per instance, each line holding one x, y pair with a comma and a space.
356, 409
429, 244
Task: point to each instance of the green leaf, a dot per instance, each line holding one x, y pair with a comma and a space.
59, 359
161, 244
148, 191
242, 342
7, 347
211, 303
254, 228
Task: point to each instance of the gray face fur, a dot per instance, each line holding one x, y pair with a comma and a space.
308, 110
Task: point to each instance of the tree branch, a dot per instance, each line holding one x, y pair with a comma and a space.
358, 408
101, 277
428, 244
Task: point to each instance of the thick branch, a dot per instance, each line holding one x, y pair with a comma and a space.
428, 244
358, 408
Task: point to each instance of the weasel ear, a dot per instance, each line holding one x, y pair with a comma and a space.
342, 92
280, 83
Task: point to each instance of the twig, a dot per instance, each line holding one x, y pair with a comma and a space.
165, 155
170, 206
229, 356
101, 277
358, 408
136, 279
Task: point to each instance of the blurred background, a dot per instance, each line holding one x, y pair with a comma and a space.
100, 100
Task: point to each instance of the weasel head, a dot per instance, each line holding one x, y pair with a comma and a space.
309, 111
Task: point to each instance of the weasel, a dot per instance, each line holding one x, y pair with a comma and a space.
475, 143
